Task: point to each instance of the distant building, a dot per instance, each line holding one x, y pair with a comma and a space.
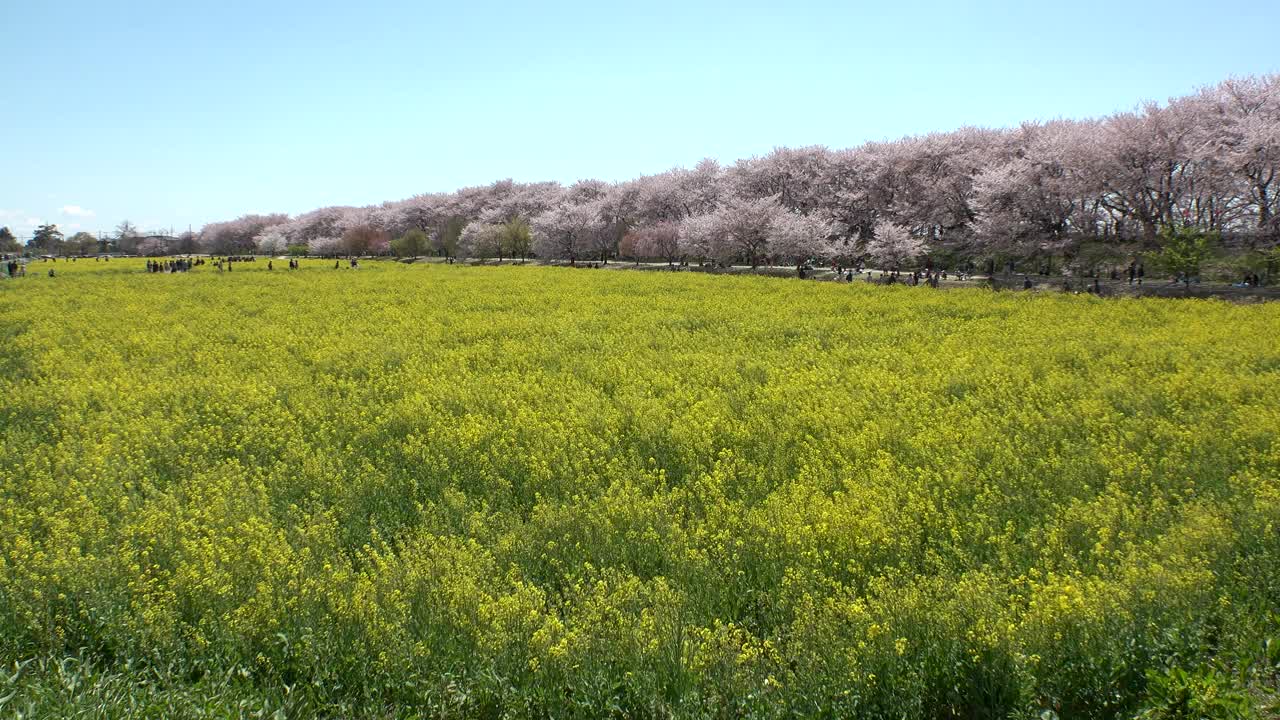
155, 244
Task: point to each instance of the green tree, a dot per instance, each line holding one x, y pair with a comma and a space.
411, 244
47, 240
517, 237
8, 243
82, 243
447, 239
1271, 259
1184, 248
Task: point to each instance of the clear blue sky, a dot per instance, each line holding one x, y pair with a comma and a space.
174, 113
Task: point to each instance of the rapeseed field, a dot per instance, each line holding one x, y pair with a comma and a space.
427, 490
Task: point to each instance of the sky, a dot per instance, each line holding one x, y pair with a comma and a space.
174, 114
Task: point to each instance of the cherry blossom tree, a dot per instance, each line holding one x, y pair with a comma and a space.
660, 240
324, 246
797, 177
1033, 200
698, 235
480, 240
364, 240
1141, 163
565, 232
237, 236
893, 245
1211, 160
1243, 137
322, 223
799, 237
152, 246
271, 241
743, 228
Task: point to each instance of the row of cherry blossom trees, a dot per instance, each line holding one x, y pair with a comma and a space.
1210, 159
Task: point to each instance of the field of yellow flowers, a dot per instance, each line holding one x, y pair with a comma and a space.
427, 490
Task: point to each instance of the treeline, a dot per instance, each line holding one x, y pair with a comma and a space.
1209, 160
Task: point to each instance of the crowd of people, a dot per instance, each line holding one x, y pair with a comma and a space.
173, 266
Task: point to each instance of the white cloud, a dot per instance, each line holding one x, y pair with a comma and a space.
6, 214
75, 211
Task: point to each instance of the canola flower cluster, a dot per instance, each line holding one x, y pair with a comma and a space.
512, 492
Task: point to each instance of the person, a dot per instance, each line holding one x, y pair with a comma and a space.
50, 272
848, 276
1142, 271
269, 267
1132, 272
1097, 287
335, 264
1026, 283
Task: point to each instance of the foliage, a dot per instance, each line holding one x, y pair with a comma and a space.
46, 239
82, 243
8, 242
1183, 249
1176, 694
516, 237
439, 490
413, 243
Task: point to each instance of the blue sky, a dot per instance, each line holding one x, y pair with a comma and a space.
172, 113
